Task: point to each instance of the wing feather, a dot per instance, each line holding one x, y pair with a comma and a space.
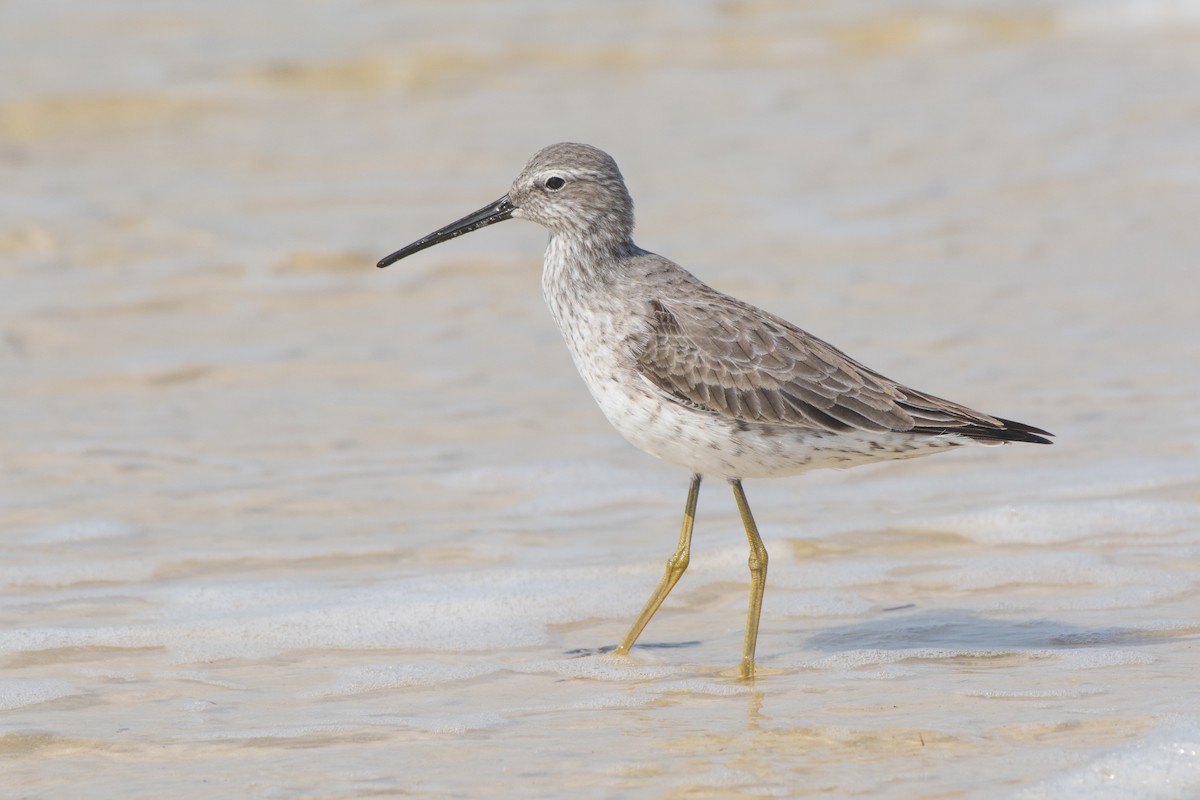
715, 353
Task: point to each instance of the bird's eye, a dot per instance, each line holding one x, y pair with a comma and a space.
555, 183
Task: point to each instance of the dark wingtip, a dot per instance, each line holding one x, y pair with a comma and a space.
1020, 432
1007, 431
1011, 432
1024, 436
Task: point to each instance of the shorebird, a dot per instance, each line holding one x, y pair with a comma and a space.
701, 379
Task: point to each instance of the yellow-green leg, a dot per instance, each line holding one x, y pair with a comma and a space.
676, 564
758, 579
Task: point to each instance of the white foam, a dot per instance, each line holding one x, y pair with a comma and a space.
600, 701
1053, 523
80, 530
857, 659
465, 723
50, 638
1070, 659
1164, 765
820, 603
829, 574
197, 706
1060, 569
731, 781
469, 610
1129, 16
562, 487
699, 686
22, 692
61, 572
599, 668
1101, 658
1032, 694
372, 677
1080, 580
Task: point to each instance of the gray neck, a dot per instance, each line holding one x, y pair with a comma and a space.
587, 258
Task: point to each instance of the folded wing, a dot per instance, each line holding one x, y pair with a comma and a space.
715, 353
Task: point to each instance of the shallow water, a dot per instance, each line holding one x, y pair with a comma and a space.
277, 524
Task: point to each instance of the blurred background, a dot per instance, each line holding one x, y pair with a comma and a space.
276, 523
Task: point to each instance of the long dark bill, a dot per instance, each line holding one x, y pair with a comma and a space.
498, 211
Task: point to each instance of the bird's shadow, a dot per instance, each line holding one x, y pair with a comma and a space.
965, 630
608, 648
954, 630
